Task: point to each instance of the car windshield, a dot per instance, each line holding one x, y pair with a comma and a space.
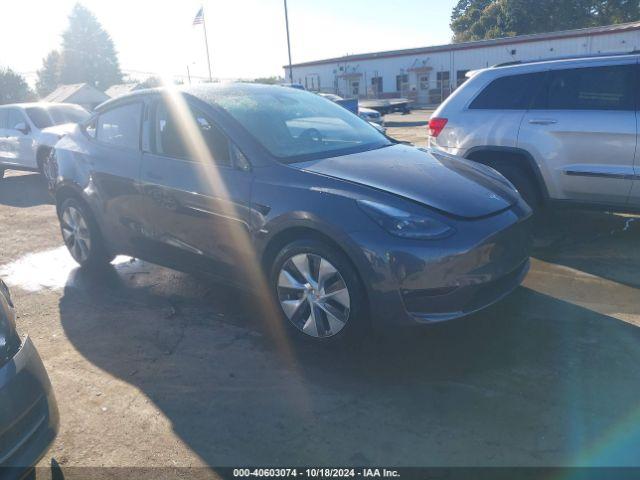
295, 125
43, 117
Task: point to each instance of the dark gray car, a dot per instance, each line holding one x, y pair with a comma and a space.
336, 227
28, 410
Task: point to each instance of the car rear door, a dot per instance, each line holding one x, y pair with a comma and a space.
197, 192
581, 130
113, 164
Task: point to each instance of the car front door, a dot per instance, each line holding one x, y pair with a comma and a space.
581, 129
17, 142
198, 191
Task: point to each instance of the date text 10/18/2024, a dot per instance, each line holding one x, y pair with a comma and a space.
315, 473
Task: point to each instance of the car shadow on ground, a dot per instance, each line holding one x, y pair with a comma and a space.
24, 191
600, 244
533, 380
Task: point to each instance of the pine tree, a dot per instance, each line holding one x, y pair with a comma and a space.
88, 53
49, 74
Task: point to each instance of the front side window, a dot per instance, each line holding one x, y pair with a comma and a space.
514, 92
593, 88
295, 125
15, 117
173, 135
120, 126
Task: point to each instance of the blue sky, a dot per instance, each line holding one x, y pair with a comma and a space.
247, 37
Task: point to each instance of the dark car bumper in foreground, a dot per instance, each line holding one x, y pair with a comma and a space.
418, 282
28, 412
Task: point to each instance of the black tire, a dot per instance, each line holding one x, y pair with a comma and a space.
96, 255
524, 183
357, 326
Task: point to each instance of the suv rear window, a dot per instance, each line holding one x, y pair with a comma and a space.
593, 88
513, 92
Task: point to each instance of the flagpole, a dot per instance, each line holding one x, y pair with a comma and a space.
286, 19
206, 43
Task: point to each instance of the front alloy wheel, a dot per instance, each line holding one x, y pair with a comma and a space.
76, 234
314, 295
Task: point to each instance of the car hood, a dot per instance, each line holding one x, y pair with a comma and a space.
452, 185
49, 136
60, 130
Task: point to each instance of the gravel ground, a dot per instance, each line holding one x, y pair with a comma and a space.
155, 368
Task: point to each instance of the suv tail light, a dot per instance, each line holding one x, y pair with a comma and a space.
436, 125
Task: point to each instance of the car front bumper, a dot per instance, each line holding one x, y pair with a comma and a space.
417, 282
28, 412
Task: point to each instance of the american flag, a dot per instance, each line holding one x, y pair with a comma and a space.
199, 17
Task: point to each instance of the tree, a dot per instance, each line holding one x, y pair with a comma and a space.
13, 87
269, 80
484, 19
49, 74
88, 54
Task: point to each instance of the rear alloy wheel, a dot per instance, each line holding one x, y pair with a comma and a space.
81, 236
318, 291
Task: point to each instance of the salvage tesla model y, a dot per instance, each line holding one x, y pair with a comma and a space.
336, 227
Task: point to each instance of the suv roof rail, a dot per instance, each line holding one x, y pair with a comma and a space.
568, 57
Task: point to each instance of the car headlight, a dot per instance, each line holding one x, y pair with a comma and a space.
405, 224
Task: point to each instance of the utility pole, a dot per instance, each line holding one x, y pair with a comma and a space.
188, 74
286, 19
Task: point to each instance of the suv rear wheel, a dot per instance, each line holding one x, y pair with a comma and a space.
524, 183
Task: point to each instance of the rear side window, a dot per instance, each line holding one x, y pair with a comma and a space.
120, 126
594, 88
514, 92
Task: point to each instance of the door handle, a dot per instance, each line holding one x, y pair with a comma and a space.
542, 121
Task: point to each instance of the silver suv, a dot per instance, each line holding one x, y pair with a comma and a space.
562, 130
29, 130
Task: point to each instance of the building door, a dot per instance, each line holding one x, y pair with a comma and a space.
423, 88
402, 84
354, 88
376, 86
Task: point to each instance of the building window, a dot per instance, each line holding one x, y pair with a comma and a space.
355, 88
442, 80
461, 77
401, 82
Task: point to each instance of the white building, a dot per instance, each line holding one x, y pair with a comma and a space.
427, 75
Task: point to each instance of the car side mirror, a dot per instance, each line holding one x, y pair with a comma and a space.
22, 127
